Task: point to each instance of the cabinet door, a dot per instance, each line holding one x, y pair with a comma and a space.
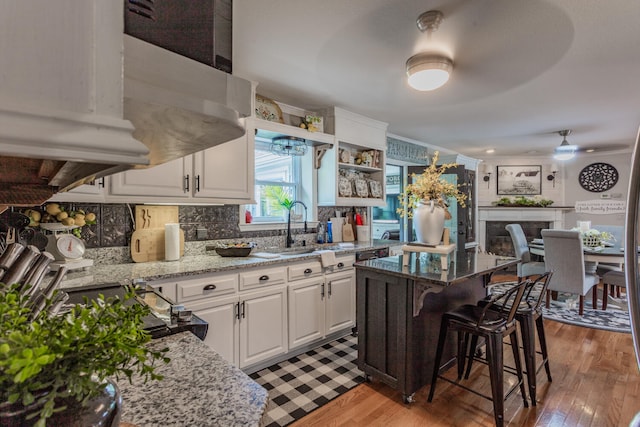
222, 335
225, 172
89, 193
306, 311
263, 325
341, 301
169, 179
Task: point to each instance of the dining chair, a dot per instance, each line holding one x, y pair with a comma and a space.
493, 323
611, 279
617, 231
563, 255
525, 267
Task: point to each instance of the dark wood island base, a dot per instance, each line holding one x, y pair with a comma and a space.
399, 311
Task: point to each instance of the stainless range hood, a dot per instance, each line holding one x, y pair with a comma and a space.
173, 106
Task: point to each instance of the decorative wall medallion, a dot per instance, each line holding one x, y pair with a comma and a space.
598, 177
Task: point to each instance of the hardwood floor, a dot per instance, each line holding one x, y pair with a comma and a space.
595, 383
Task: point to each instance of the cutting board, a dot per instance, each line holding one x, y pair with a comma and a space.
147, 241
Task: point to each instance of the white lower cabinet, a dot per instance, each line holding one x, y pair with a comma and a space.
306, 311
261, 313
263, 325
244, 328
222, 335
341, 301
320, 306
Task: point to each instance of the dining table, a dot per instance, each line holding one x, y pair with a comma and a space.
610, 254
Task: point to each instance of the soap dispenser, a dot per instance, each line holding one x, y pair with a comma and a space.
320, 237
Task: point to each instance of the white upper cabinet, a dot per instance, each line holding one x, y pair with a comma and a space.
221, 174
352, 174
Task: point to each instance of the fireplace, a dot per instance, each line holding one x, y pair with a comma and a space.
533, 220
498, 240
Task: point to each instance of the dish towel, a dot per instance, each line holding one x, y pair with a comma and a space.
327, 258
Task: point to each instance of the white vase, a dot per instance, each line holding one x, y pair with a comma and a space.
428, 222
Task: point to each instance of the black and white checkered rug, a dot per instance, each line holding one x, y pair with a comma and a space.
303, 383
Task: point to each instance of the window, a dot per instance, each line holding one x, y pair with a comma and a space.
275, 177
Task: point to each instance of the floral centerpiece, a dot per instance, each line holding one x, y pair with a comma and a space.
430, 186
426, 200
593, 238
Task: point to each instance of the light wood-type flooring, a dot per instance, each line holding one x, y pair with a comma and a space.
595, 383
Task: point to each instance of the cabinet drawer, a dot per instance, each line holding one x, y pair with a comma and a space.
207, 286
304, 270
262, 277
344, 263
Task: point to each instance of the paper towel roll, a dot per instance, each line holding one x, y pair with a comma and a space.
171, 242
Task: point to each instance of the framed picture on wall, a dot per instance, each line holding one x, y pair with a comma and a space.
523, 180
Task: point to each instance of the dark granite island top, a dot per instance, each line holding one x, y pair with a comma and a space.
399, 311
426, 267
199, 388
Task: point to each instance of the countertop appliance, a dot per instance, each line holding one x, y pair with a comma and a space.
159, 322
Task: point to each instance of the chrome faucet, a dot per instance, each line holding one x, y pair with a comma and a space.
289, 240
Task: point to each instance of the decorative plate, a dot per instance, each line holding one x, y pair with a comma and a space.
376, 189
344, 187
598, 177
361, 187
267, 109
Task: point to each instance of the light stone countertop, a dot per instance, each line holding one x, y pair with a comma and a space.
199, 388
186, 266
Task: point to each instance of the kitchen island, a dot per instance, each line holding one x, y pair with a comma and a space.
199, 388
399, 309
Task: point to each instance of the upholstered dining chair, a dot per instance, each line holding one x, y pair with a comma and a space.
563, 255
525, 267
612, 279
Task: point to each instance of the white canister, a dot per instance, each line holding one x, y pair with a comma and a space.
363, 234
336, 229
172, 242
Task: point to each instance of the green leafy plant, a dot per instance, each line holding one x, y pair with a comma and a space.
48, 357
430, 185
278, 197
536, 202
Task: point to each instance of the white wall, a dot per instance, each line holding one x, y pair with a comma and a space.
567, 189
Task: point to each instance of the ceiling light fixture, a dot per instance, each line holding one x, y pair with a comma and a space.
288, 146
565, 151
428, 70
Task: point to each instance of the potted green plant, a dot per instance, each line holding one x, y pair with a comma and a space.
51, 363
426, 199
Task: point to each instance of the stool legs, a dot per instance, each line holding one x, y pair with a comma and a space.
444, 326
529, 345
543, 346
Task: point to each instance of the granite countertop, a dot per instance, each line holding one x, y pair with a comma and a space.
188, 266
199, 388
427, 267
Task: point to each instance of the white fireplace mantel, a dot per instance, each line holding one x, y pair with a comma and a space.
553, 215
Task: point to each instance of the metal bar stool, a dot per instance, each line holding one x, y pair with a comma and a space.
529, 317
493, 322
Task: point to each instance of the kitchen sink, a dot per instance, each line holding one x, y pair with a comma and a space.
292, 251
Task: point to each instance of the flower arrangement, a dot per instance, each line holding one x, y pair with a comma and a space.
429, 185
593, 238
518, 201
46, 357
